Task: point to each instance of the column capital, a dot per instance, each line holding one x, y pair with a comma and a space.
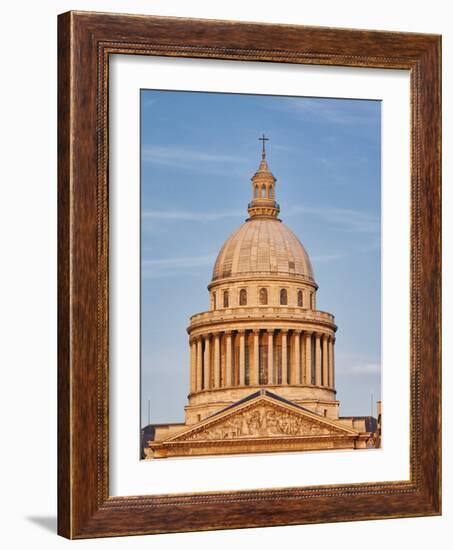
270, 330
284, 330
241, 331
308, 332
228, 332
256, 330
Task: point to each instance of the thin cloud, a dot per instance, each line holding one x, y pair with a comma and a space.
346, 219
186, 158
189, 215
336, 112
163, 267
327, 258
181, 262
343, 218
367, 369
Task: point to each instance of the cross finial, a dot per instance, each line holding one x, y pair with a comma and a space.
264, 139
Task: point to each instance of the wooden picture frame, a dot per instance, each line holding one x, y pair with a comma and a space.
85, 41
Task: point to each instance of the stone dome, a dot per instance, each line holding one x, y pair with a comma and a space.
262, 329
263, 246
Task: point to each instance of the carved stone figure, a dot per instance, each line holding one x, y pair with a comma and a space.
262, 420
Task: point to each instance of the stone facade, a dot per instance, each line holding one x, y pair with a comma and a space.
262, 359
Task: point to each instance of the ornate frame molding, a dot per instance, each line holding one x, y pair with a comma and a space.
85, 41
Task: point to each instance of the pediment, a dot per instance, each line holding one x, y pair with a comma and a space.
261, 418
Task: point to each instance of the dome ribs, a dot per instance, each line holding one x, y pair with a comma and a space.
273, 264
263, 260
244, 250
253, 265
240, 237
263, 246
222, 267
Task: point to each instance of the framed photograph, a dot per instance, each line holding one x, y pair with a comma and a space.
249, 275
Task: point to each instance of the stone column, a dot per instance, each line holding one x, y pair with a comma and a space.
284, 356
254, 378
296, 357
307, 366
193, 365
242, 357
331, 363
229, 378
302, 356
207, 361
270, 357
318, 359
217, 360
199, 363
325, 361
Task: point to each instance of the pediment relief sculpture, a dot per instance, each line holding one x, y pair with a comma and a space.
262, 420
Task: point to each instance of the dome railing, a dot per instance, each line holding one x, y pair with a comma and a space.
256, 201
261, 312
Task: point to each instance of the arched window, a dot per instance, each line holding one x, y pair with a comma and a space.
300, 298
263, 296
225, 298
213, 301
312, 301
271, 192
283, 297
263, 191
242, 297
256, 191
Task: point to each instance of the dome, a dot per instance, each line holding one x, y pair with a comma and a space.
263, 246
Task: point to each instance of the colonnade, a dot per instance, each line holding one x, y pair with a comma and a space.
255, 357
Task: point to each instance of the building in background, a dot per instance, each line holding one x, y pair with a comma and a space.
262, 367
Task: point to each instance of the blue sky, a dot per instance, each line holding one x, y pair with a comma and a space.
198, 153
